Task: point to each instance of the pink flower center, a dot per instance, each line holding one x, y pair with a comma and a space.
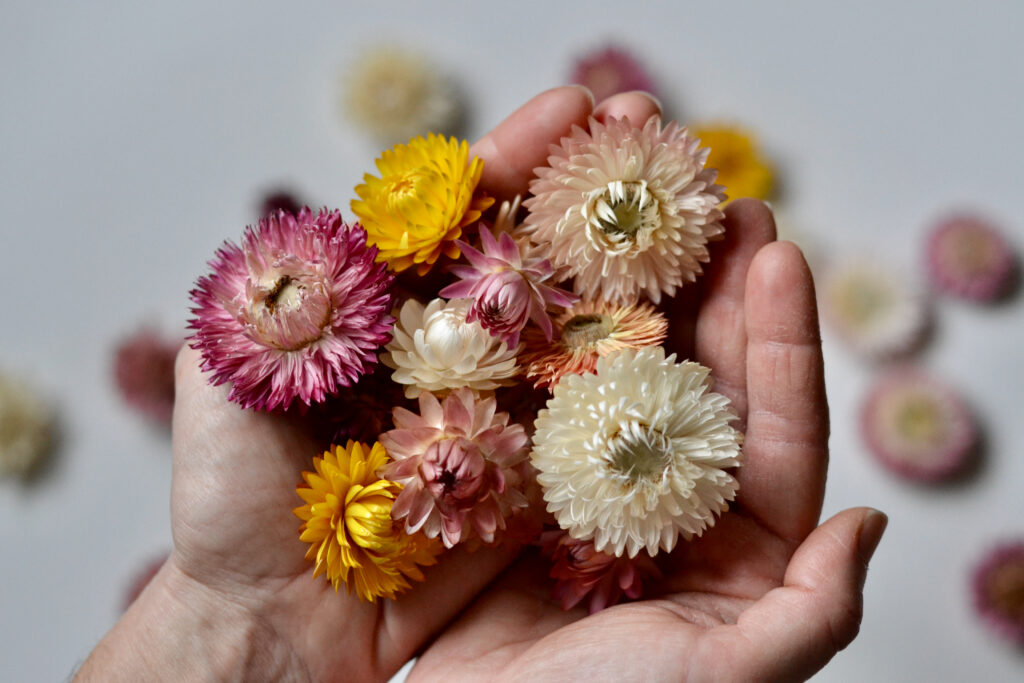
454, 471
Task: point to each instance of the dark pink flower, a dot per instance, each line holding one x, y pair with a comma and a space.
144, 373
968, 257
298, 311
508, 290
998, 583
609, 71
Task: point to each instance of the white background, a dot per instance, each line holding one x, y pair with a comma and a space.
134, 139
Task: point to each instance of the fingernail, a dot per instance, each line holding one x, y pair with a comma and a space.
871, 530
586, 90
651, 97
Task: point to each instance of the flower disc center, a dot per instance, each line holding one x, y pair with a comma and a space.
623, 215
291, 312
586, 329
638, 454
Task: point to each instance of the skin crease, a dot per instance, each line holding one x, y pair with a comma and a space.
766, 594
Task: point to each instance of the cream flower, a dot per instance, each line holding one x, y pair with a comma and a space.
626, 210
435, 349
26, 427
635, 455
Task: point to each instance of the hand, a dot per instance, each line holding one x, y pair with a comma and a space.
764, 595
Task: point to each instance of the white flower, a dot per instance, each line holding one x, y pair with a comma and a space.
434, 349
26, 427
635, 455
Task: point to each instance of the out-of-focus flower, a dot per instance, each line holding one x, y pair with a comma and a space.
395, 94
507, 290
144, 373
457, 461
587, 332
873, 308
998, 583
611, 70
635, 455
421, 202
917, 426
26, 427
436, 349
347, 522
299, 310
742, 170
968, 257
580, 570
626, 211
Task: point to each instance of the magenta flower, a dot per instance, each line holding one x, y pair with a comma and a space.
144, 373
998, 587
508, 290
609, 71
580, 570
299, 310
458, 463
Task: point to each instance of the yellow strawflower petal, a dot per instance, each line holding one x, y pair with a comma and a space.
736, 157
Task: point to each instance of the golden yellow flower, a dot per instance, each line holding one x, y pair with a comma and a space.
734, 153
347, 522
422, 200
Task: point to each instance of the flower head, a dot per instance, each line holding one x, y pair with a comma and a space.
998, 583
735, 155
347, 522
395, 94
626, 211
26, 427
421, 202
580, 570
507, 289
968, 257
587, 332
635, 455
611, 70
917, 426
457, 460
299, 310
144, 373
435, 348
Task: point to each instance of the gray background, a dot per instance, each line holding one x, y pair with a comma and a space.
134, 139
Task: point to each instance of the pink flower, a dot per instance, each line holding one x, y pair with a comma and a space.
299, 310
508, 290
580, 570
610, 71
144, 373
458, 462
998, 587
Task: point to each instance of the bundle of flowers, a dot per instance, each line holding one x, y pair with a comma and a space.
485, 368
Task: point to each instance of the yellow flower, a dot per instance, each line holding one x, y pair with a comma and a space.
347, 522
734, 153
421, 202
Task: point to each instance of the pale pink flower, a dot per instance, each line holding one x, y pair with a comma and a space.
508, 290
299, 310
611, 70
457, 461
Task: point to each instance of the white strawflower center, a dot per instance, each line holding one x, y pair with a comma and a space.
289, 310
638, 455
621, 216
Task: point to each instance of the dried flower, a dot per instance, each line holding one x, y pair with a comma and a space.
279, 199
626, 210
873, 308
144, 373
26, 427
299, 310
580, 570
735, 155
609, 71
918, 426
457, 461
587, 332
436, 349
395, 94
507, 289
998, 583
347, 522
422, 201
968, 257
635, 455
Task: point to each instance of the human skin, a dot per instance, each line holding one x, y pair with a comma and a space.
766, 594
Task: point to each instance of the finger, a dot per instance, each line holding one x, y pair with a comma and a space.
519, 144
637, 106
799, 627
721, 327
782, 481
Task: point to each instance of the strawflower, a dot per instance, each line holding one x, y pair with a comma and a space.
968, 257
26, 427
507, 290
458, 462
998, 586
347, 522
435, 348
609, 71
299, 310
626, 211
635, 456
421, 202
742, 170
144, 373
